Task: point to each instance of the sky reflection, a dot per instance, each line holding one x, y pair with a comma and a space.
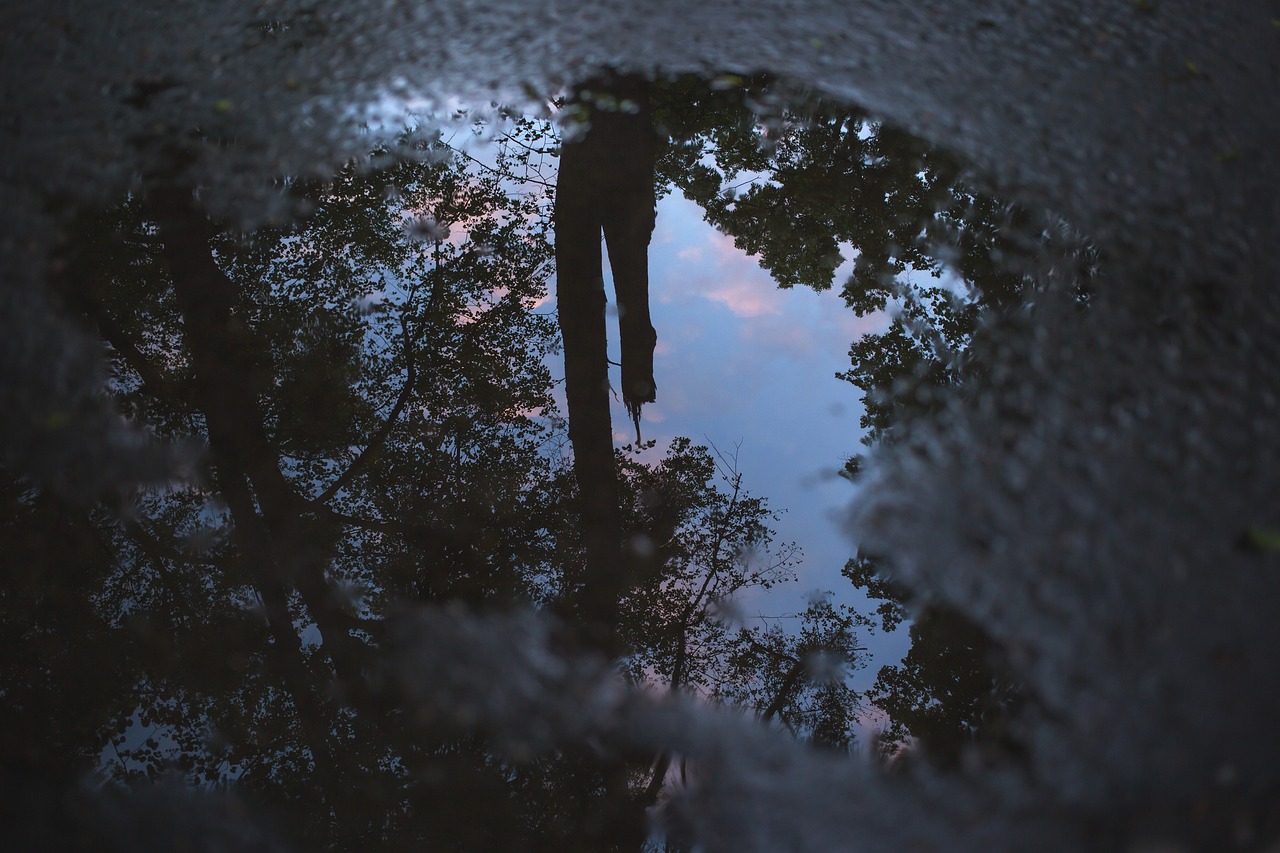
743, 364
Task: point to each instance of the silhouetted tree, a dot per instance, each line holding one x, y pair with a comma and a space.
805, 185
370, 386
605, 184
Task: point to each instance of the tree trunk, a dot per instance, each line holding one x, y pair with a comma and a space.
605, 185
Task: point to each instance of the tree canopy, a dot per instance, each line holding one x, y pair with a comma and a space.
373, 392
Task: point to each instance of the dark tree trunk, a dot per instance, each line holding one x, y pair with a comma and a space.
280, 536
605, 186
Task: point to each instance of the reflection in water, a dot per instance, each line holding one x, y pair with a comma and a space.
379, 424
605, 184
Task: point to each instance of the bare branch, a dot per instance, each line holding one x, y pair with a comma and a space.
376, 443
129, 351
502, 173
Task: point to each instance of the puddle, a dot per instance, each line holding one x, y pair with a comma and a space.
372, 493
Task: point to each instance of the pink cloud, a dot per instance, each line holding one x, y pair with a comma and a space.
739, 282
744, 298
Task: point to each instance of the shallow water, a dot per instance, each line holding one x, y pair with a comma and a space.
385, 444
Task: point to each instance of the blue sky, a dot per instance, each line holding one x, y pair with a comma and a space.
740, 362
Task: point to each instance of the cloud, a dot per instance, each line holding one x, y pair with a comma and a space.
739, 283
744, 298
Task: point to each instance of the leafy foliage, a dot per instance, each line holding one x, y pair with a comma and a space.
379, 426
805, 186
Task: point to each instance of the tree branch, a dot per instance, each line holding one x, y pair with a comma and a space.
119, 340
502, 173
375, 444
785, 690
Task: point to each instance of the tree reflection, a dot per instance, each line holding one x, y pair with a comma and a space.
370, 384
605, 184
805, 185
371, 387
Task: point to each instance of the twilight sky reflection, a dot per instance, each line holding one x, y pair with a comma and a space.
741, 362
